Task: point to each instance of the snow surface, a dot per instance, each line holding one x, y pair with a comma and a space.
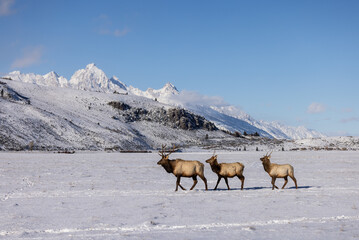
118, 196
227, 117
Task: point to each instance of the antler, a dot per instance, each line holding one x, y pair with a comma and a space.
162, 152
214, 152
172, 150
268, 155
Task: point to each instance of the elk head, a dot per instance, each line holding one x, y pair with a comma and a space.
212, 159
266, 158
164, 158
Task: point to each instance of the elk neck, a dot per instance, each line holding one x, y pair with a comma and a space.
215, 166
267, 165
168, 166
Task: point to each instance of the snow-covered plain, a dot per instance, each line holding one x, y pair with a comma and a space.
128, 196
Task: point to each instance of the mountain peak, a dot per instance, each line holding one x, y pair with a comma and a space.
52, 73
94, 79
169, 88
91, 65
170, 85
117, 83
91, 78
15, 73
115, 78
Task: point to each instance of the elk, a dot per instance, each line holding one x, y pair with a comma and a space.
182, 168
278, 171
226, 170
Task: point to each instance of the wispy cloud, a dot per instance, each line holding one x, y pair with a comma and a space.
316, 108
104, 19
105, 27
121, 33
190, 97
347, 110
352, 119
6, 7
116, 33
31, 56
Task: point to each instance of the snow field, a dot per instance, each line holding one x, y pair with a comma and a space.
118, 196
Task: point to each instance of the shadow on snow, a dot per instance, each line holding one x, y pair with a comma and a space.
259, 188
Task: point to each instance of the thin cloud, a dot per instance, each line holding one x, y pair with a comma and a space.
30, 57
190, 97
347, 110
104, 18
316, 108
116, 33
348, 120
104, 27
121, 33
103, 31
6, 7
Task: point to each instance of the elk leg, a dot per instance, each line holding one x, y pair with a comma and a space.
295, 181
178, 182
204, 180
226, 179
242, 180
194, 182
285, 181
273, 183
219, 179
182, 187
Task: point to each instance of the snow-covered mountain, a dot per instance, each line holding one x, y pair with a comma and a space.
54, 118
50, 79
225, 116
275, 129
94, 79
161, 95
53, 79
91, 78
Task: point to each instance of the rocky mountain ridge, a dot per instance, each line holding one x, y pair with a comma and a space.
226, 117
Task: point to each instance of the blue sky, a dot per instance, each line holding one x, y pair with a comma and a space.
296, 62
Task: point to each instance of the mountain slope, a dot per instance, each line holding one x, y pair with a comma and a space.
223, 115
56, 118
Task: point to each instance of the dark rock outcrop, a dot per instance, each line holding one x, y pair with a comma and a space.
173, 117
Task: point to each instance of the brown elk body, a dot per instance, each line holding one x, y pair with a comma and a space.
278, 171
182, 168
226, 170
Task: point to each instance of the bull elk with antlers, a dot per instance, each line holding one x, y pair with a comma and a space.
182, 168
278, 171
226, 170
